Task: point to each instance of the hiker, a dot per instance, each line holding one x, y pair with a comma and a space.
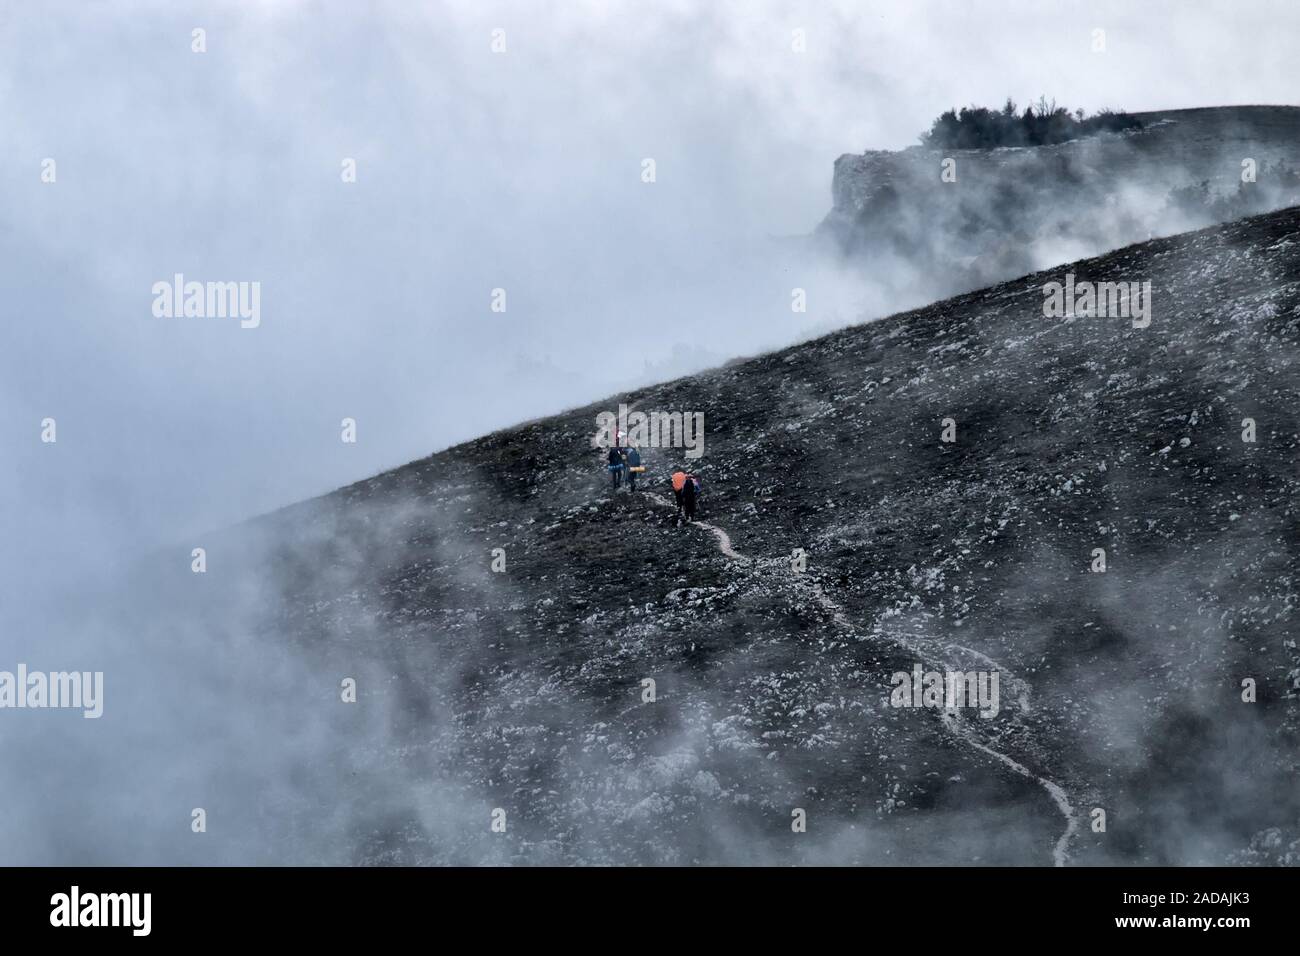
686, 490
679, 482
634, 467
615, 465
690, 490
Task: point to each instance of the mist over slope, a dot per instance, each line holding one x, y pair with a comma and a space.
522, 691
1007, 211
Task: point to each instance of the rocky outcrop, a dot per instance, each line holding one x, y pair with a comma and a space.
1014, 210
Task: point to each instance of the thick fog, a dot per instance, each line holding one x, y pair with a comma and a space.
495, 147
475, 171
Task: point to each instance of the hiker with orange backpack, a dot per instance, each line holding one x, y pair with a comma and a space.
679, 482
686, 490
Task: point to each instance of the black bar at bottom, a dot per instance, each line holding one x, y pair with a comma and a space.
336, 905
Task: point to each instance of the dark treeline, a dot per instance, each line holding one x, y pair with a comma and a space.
1044, 123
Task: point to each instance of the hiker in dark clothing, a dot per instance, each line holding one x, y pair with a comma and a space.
633, 463
616, 466
688, 498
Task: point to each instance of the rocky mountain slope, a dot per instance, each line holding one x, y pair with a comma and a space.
521, 691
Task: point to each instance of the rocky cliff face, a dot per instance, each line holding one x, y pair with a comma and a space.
1013, 210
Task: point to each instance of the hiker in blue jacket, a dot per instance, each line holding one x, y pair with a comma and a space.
633, 463
616, 465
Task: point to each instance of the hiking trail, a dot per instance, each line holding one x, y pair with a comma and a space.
953, 723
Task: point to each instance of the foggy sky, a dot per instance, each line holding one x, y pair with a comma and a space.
476, 170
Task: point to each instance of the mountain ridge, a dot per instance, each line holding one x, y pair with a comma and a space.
523, 690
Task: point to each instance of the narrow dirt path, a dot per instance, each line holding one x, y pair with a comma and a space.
724, 539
